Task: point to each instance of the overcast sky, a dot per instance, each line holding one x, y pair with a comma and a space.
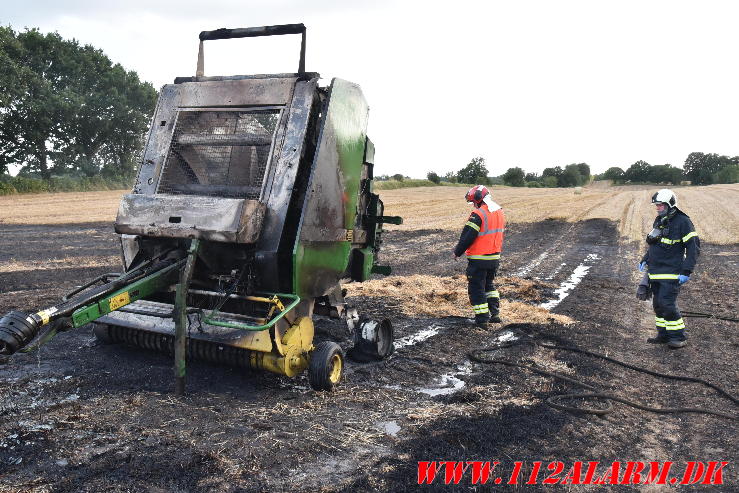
521, 83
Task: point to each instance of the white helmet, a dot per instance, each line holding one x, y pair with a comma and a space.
665, 196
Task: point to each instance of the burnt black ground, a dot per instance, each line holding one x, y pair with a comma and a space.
80, 416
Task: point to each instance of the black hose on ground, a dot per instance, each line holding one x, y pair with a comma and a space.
555, 401
685, 313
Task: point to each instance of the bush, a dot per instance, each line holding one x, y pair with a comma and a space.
514, 177
534, 184
394, 184
730, 174
433, 177
29, 184
549, 181
7, 188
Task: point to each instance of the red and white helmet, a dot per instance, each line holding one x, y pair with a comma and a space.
476, 194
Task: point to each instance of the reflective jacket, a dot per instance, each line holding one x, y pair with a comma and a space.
677, 250
482, 235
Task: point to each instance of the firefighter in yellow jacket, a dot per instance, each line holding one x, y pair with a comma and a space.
482, 242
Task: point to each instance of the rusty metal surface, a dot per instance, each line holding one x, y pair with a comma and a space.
207, 218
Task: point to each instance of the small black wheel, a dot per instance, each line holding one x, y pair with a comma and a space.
373, 341
326, 366
101, 332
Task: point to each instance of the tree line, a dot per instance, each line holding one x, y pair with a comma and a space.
67, 110
699, 169
476, 172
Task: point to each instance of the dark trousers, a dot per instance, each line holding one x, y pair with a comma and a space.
484, 298
667, 316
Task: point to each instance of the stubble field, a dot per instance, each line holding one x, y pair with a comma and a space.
80, 416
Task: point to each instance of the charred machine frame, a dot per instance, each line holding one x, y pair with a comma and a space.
253, 202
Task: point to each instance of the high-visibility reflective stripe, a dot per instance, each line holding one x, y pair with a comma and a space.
492, 231
662, 276
489, 257
493, 294
484, 221
659, 322
472, 225
689, 236
674, 324
669, 241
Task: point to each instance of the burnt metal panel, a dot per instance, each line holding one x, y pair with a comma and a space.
330, 208
220, 152
157, 145
207, 218
224, 94
280, 186
244, 92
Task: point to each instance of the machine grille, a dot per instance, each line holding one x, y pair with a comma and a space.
220, 153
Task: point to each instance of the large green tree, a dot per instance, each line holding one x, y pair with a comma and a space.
638, 172
67, 108
474, 172
514, 177
614, 173
703, 169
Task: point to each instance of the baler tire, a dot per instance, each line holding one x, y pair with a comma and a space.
100, 331
323, 372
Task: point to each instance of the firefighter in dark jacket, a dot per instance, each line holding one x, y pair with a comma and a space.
670, 259
482, 242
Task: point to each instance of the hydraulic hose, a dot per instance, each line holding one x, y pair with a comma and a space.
685, 313
555, 401
18, 329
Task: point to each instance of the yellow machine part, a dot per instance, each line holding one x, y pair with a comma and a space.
289, 356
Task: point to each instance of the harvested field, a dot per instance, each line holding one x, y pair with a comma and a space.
630, 206
82, 416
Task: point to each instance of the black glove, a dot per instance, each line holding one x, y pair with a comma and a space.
643, 292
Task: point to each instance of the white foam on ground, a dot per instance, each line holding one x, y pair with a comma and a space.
449, 383
567, 286
506, 336
555, 272
527, 268
419, 336
390, 427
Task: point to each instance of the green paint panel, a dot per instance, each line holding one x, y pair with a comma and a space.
136, 290
319, 263
321, 254
348, 116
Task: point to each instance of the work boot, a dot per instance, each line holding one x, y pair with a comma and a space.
657, 340
495, 319
482, 323
677, 344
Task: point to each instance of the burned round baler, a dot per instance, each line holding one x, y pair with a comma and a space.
253, 202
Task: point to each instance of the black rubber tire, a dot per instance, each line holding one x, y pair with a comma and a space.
101, 333
321, 368
365, 351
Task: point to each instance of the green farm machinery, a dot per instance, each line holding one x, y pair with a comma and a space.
252, 204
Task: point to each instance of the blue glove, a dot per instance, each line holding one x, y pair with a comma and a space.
642, 266
682, 279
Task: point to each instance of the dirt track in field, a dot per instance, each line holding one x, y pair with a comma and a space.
80, 416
